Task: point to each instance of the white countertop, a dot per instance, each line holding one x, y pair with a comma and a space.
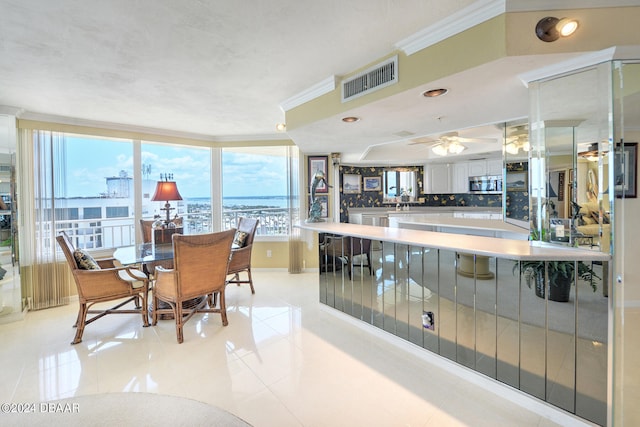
479, 245
466, 223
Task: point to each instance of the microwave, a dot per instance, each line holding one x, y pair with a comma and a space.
486, 184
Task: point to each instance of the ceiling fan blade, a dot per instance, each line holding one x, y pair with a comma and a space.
485, 140
417, 141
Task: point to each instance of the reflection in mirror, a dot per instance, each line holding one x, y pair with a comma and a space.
400, 185
516, 164
12, 305
569, 195
570, 204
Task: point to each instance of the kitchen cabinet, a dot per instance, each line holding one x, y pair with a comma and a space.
460, 178
454, 177
494, 167
477, 168
439, 180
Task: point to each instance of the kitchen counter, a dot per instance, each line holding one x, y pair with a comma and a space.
470, 300
470, 226
479, 245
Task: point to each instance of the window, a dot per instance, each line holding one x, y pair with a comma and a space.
117, 211
76, 178
87, 187
190, 168
256, 183
92, 213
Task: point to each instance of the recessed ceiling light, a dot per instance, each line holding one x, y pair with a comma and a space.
350, 119
281, 127
433, 93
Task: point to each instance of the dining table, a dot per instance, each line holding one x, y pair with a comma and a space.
148, 256
145, 254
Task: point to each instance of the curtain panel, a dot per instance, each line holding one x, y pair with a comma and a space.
45, 275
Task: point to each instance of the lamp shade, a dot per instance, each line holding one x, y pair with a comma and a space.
165, 191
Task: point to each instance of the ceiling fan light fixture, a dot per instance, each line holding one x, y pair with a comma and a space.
449, 147
439, 149
456, 148
512, 148
434, 93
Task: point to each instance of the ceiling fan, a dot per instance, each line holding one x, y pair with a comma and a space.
449, 143
517, 140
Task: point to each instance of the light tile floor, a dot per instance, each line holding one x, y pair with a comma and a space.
284, 360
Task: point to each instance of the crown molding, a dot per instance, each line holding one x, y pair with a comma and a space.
458, 22
72, 121
529, 6
325, 86
11, 111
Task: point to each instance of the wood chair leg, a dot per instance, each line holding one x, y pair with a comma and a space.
80, 323
179, 321
253, 291
79, 317
145, 309
223, 308
154, 315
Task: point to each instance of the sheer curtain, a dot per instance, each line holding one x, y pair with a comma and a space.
46, 278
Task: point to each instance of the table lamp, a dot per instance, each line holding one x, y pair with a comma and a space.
166, 191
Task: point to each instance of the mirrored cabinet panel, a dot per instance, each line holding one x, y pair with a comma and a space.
485, 313
11, 304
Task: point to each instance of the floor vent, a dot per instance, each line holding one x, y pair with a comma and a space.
377, 77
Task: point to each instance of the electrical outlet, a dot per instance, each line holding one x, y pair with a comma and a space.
268, 253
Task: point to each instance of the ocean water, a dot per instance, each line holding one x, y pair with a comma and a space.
245, 202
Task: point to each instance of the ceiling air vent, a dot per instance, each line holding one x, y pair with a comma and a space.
370, 80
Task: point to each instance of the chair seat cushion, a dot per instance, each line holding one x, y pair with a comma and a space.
84, 260
137, 281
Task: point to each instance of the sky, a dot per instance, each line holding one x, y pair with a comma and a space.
90, 161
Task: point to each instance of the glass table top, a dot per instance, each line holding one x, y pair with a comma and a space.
144, 253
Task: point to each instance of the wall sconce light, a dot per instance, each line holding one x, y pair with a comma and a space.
550, 29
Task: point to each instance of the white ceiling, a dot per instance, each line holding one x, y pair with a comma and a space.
220, 70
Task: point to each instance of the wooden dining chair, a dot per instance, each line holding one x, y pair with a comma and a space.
241, 252
100, 281
146, 225
200, 269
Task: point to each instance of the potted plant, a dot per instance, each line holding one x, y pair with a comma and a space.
405, 194
561, 276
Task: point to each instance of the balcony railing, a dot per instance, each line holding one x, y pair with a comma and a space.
117, 232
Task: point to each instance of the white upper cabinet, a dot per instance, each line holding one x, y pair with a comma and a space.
477, 168
460, 177
494, 167
438, 179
